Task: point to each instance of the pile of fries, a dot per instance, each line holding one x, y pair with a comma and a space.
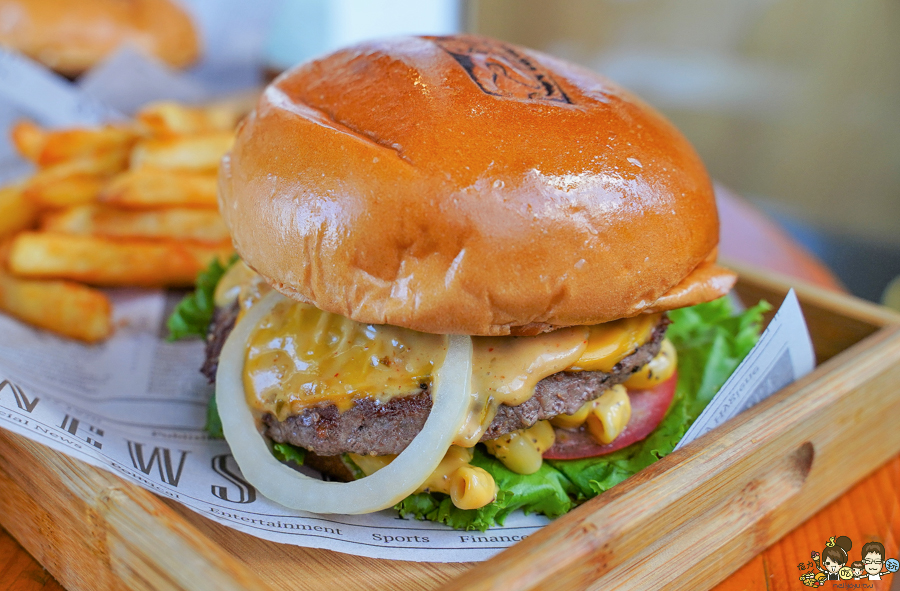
119, 205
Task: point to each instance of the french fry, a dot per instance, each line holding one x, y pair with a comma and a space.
123, 205
64, 185
145, 188
171, 118
102, 163
28, 139
200, 225
200, 152
16, 211
105, 261
109, 144
66, 308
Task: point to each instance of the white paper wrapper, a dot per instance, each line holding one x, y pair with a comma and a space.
136, 404
783, 354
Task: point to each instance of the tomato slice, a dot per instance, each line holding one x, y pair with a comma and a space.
648, 407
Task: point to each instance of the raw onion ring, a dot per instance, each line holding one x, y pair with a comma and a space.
383, 489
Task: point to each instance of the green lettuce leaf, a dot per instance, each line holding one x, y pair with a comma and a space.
711, 341
285, 452
213, 425
193, 314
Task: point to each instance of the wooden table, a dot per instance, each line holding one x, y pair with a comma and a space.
869, 510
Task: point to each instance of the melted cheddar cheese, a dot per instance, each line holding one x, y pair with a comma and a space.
299, 357
505, 370
658, 370
611, 342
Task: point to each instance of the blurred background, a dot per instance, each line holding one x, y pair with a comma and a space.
794, 104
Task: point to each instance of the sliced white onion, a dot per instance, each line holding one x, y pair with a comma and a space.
383, 489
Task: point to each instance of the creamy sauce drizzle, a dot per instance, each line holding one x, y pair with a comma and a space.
229, 286
505, 370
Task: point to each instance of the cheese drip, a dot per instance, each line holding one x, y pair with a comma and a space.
300, 357
658, 370
611, 342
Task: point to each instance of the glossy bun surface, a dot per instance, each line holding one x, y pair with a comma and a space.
465, 185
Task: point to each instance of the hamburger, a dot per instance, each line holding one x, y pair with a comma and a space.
459, 259
73, 37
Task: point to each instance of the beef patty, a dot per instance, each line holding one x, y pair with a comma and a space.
370, 427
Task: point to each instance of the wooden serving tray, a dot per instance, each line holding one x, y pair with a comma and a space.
686, 522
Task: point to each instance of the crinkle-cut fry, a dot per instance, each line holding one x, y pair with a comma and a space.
28, 138
66, 308
147, 188
200, 225
110, 144
16, 211
111, 262
201, 152
64, 185
171, 118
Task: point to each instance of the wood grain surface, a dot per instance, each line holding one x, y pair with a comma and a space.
92, 530
18, 570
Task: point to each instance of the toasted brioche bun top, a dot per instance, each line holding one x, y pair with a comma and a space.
71, 36
464, 185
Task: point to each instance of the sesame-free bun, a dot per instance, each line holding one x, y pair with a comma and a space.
464, 185
71, 36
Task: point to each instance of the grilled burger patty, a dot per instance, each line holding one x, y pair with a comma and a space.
380, 429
